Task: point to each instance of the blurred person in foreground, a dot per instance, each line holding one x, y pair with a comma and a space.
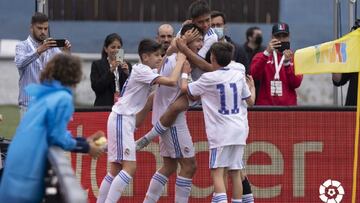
164, 36
274, 68
32, 54
44, 125
218, 23
108, 75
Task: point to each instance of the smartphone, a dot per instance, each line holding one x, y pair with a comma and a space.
120, 55
60, 42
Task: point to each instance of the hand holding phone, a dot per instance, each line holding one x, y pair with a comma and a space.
120, 55
60, 42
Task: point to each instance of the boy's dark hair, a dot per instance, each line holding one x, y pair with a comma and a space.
39, 18
108, 40
198, 8
215, 14
250, 32
223, 52
148, 46
190, 26
64, 68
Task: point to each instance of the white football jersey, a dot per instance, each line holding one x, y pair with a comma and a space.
222, 93
165, 95
238, 66
209, 39
135, 90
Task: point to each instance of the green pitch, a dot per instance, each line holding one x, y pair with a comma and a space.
11, 116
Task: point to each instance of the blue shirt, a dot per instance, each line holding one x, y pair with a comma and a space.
44, 124
30, 64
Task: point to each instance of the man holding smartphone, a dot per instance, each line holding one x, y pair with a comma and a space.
274, 68
32, 54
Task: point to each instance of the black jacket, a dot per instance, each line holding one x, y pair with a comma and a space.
103, 82
351, 98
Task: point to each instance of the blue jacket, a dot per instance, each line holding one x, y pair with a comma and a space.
44, 124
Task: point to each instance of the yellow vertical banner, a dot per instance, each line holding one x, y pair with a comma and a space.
356, 145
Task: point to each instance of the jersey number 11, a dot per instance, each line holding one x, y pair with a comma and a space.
223, 110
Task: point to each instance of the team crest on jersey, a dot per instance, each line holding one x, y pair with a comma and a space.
127, 151
186, 150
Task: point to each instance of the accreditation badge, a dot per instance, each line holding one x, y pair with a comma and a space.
276, 88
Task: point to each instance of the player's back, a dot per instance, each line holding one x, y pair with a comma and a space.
224, 92
135, 90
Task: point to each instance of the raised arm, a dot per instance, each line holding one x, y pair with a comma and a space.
174, 77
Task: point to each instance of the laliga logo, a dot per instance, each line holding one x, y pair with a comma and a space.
331, 191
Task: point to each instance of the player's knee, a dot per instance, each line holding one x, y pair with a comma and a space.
189, 167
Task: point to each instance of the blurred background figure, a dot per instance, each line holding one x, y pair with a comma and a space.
164, 36
340, 79
218, 23
253, 44
109, 74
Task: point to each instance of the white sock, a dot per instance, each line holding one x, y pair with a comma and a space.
219, 198
156, 188
248, 198
236, 200
118, 186
158, 129
182, 189
104, 188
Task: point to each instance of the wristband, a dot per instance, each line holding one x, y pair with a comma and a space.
184, 76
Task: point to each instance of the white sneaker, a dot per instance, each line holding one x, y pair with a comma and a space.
141, 143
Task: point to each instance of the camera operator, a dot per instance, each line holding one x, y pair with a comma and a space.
274, 68
340, 79
32, 54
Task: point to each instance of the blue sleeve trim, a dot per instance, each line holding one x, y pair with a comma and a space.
82, 145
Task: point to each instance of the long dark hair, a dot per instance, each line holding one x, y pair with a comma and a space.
108, 40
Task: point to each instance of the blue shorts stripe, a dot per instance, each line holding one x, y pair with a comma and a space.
174, 137
119, 137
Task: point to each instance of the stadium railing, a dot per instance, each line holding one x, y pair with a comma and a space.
70, 188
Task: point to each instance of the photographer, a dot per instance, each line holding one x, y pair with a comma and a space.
274, 68
108, 75
340, 79
32, 55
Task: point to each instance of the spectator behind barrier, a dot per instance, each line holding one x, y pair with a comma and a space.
252, 46
340, 79
44, 125
218, 23
164, 36
274, 68
108, 75
32, 54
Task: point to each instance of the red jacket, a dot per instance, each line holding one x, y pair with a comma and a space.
263, 70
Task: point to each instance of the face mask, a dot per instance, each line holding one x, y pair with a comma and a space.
284, 46
219, 31
258, 40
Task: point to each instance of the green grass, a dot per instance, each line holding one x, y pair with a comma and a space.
11, 116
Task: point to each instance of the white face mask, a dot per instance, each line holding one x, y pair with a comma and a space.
219, 32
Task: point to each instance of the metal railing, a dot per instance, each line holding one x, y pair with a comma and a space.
70, 189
